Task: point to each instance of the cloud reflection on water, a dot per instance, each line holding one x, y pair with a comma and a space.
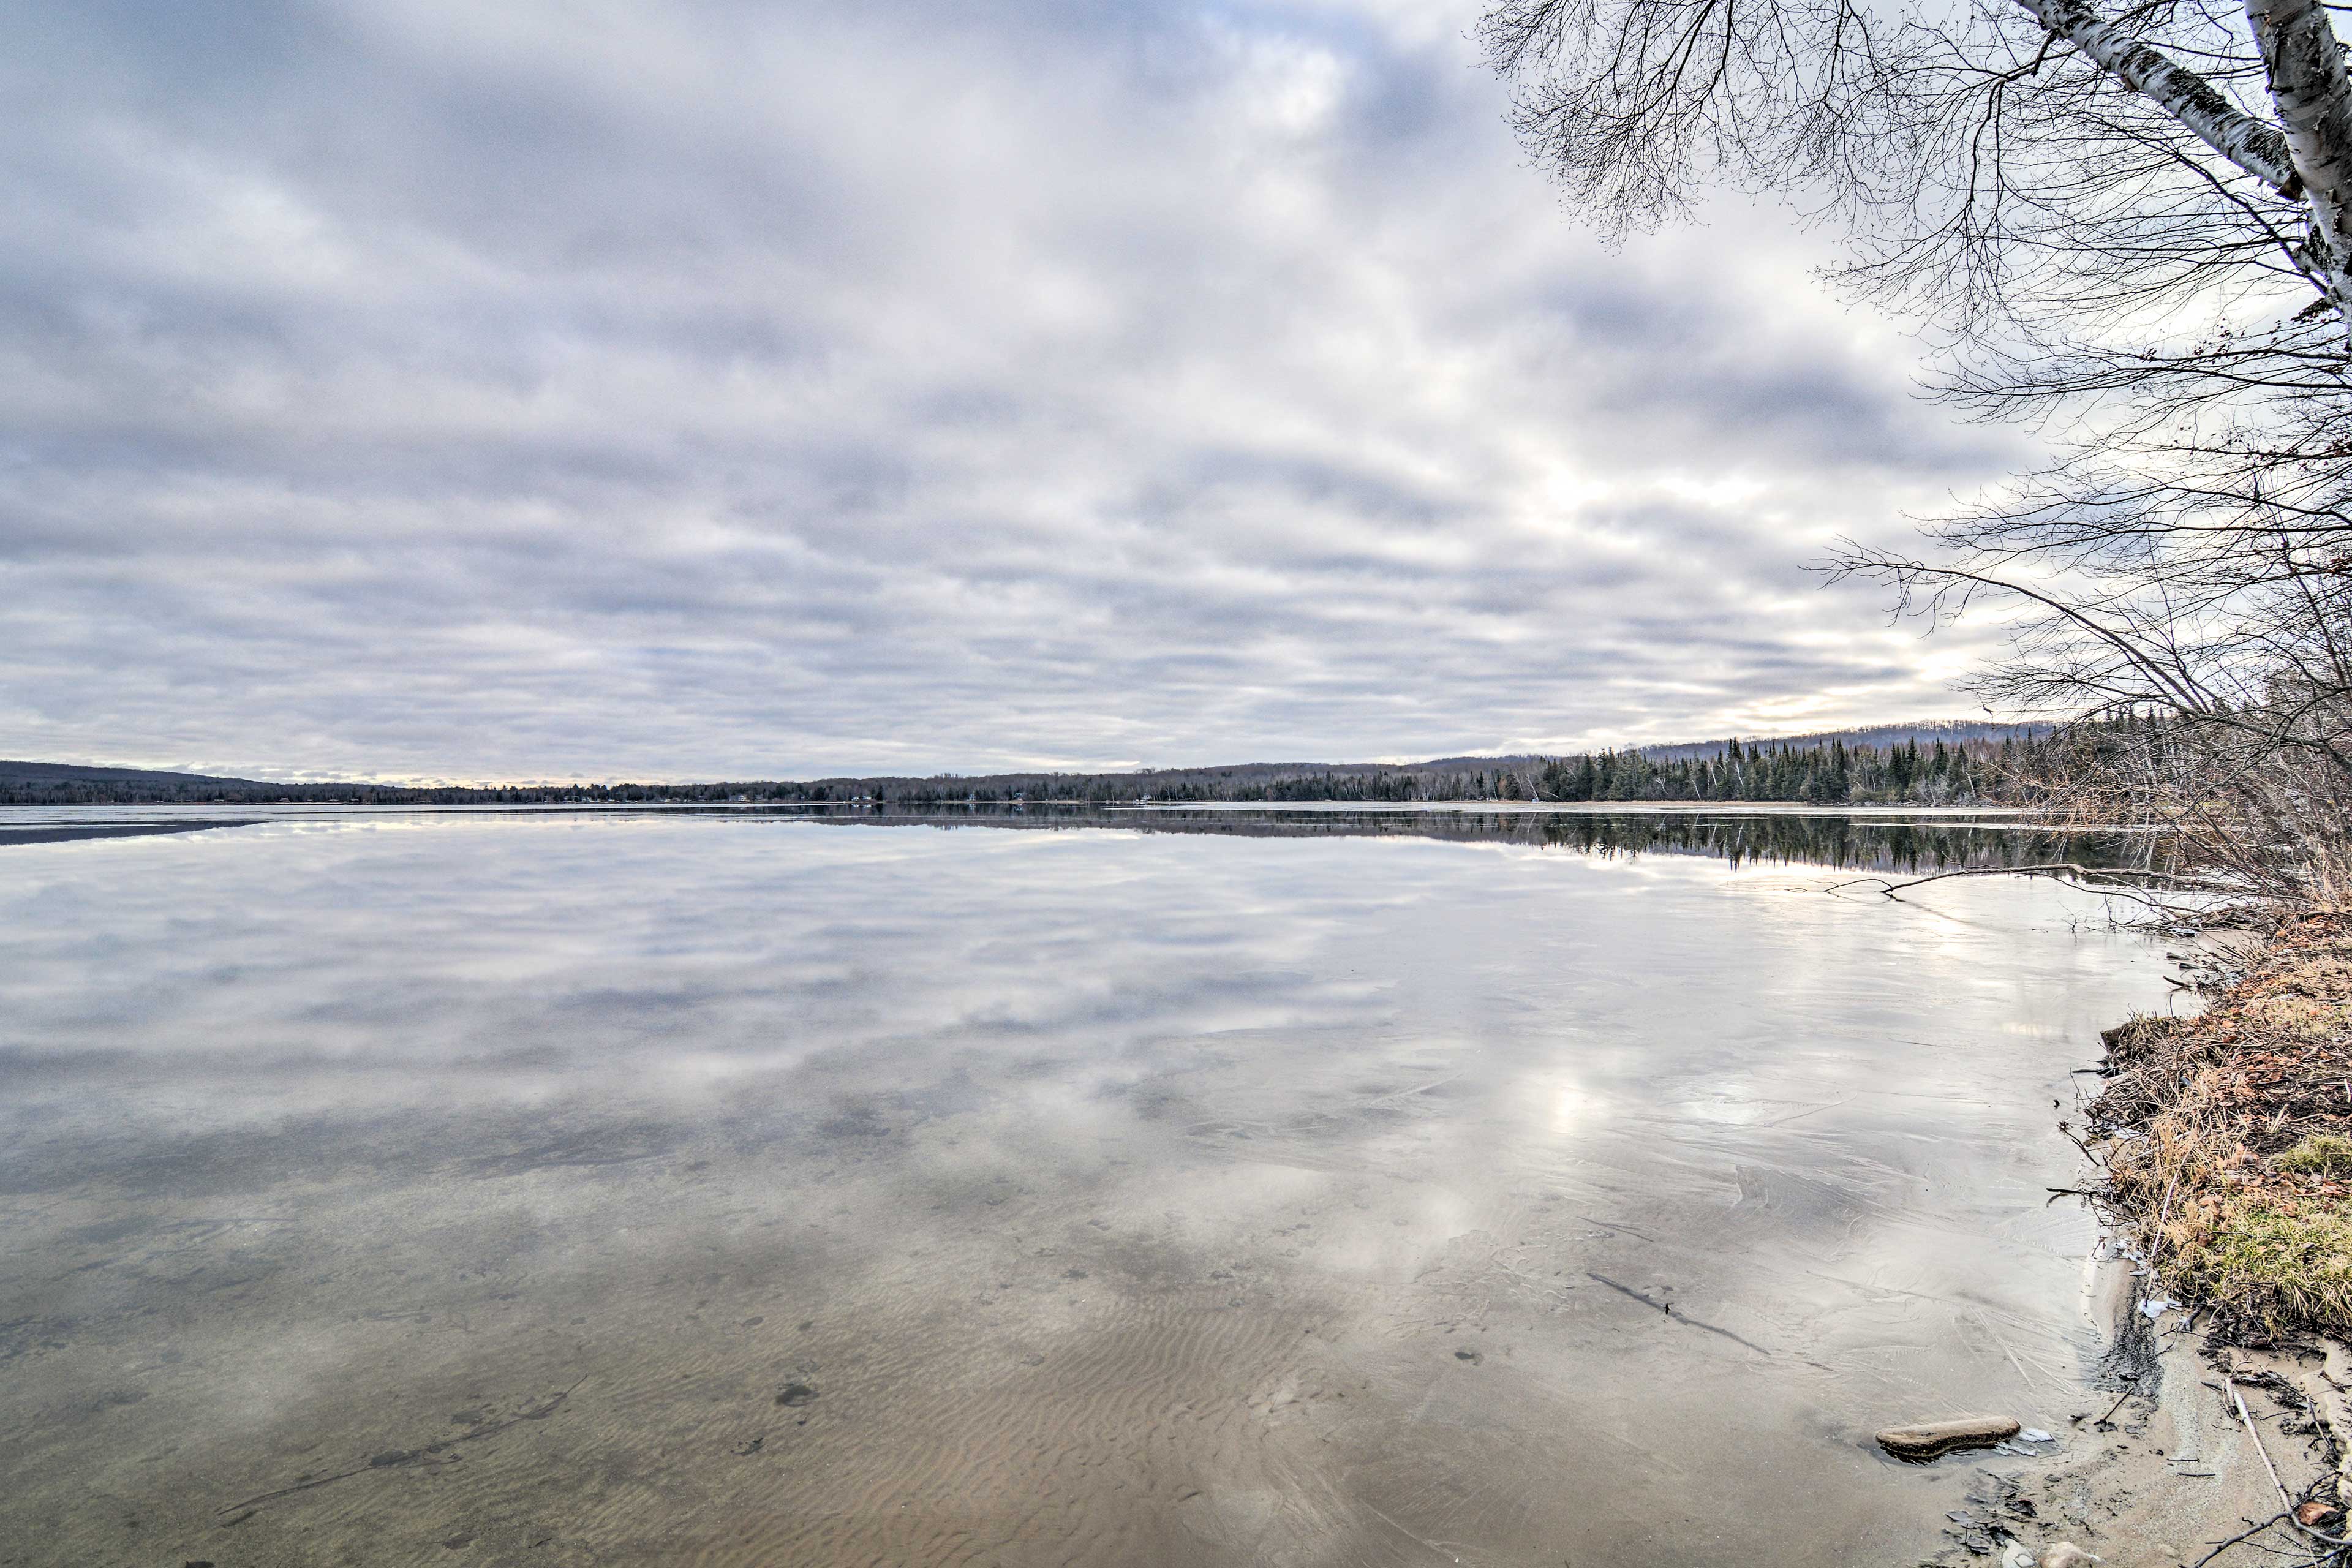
1242, 1138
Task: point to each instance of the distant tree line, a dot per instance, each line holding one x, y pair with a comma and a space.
1954, 773
1837, 773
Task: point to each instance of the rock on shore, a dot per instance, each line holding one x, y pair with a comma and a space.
1927, 1439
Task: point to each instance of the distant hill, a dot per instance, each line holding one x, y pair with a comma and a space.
39, 773
77, 783
1927, 731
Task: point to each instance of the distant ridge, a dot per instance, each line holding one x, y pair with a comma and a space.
12, 773
1927, 731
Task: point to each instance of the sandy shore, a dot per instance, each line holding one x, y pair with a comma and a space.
2165, 1471
2215, 1131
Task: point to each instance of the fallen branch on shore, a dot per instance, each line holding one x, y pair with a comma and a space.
2243, 1535
2096, 879
2285, 1500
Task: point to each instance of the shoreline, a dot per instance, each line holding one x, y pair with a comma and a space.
2231, 1255
2162, 1476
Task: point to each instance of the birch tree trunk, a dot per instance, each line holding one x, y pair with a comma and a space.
2250, 144
2310, 159
2308, 84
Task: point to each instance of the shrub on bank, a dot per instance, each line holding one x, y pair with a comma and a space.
2229, 1153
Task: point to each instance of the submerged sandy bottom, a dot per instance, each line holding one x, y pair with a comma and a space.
712, 1193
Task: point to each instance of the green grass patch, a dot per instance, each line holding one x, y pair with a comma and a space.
2321, 1154
2282, 1264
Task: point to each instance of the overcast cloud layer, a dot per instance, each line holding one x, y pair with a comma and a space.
528, 390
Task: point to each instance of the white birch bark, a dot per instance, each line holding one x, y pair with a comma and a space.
2313, 96
2252, 144
2310, 159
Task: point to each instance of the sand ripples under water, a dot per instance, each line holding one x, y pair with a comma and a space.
558, 1192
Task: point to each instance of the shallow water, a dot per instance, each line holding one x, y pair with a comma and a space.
567, 1189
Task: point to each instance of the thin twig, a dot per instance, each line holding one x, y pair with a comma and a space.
2222, 1546
539, 1412
2255, 1437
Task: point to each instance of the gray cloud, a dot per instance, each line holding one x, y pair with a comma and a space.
459, 391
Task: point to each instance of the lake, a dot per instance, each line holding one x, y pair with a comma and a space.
1191, 1187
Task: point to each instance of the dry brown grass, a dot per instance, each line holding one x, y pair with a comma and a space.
2228, 1151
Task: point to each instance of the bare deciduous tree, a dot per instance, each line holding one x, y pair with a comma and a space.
1634, 104
2132, 232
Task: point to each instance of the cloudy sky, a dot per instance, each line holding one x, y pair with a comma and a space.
549, 390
